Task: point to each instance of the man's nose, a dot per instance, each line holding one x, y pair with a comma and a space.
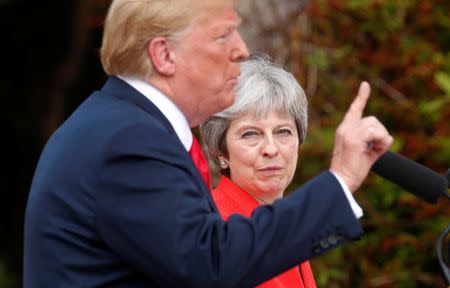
240, 52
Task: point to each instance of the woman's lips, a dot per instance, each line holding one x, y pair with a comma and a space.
270, 169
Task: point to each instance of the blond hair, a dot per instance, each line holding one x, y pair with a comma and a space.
131, 24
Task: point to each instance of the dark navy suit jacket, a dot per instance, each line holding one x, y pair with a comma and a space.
117, 202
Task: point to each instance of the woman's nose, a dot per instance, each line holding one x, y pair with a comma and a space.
270, 147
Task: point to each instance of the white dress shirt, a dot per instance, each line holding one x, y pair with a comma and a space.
167, 108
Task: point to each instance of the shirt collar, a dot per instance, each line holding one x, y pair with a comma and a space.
167, 108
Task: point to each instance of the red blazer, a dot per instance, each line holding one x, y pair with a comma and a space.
231, 199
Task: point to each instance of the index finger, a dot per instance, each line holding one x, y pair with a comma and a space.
356, 109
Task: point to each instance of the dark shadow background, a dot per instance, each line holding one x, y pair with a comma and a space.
49, 65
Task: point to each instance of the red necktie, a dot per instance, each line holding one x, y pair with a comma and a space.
199, 160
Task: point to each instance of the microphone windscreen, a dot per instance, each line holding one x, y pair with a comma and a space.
411, 176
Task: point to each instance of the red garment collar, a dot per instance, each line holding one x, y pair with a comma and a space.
233, 199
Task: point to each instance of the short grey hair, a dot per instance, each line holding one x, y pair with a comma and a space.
262, 87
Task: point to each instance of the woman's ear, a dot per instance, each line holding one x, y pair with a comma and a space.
162, 57
223, 162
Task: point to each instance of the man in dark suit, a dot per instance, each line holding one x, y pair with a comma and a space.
116, 201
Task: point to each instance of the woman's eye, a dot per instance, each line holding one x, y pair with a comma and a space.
284, 132
249, 134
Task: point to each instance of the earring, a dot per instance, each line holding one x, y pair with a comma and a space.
223, 164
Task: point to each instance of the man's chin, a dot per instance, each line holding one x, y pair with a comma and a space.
228, 100
225, 101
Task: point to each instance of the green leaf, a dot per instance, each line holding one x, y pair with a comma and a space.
443, 81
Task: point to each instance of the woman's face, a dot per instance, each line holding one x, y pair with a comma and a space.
262, 154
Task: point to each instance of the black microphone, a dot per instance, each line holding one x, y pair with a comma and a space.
412, 176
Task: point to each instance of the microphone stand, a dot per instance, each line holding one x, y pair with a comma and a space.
443, 244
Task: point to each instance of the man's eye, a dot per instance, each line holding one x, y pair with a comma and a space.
225, 35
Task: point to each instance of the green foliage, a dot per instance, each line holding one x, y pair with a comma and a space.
435, 108
402, 49
318, 59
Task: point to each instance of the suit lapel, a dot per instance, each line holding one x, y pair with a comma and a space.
118, 88
122, 90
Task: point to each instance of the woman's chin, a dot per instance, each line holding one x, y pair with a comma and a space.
273, 192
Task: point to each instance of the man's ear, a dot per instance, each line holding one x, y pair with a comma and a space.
161, 55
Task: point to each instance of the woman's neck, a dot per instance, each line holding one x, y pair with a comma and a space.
265, 200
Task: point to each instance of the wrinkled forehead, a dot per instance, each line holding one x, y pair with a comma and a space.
258, 114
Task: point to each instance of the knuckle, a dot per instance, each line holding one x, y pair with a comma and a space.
371, 120
341, 131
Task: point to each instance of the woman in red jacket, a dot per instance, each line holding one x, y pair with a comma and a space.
255, 145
